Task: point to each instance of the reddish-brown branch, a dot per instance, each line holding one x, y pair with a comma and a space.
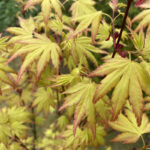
122, 27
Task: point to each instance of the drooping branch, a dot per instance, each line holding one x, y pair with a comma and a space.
122, 27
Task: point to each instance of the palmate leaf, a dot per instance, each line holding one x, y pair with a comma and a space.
66, 79
129, 79
24, 31
4, 72
144, 19
83, 138
146, 49
127, 124
44, 99
80, 48
81, 95
103, 109
3, 42
82, 7
46, 6
12, 123
40, 48
85, 20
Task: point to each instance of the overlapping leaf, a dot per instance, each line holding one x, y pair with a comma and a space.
128, 126
82, 7
4, 72
12, 123
144, 19
66, 79
83, 138
80, 48
23, 32
129, 79
86, 20
40, 48
103, 108
46, 6
81, 95
44, 99
146, 49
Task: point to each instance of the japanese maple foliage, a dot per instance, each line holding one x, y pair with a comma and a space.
68, 77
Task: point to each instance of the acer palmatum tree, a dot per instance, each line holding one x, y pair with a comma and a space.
55, 100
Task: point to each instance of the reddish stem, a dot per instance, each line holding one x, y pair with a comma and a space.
122, 27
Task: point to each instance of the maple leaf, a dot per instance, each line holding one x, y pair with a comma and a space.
85, 20
103, 108
83, 138
82, 7
41, 48
4, 72
144, 19
44, 99
80, 48
81, 95
46, 6
146, 49
129, 79
3, 42
23, 32
127, 124
66, 79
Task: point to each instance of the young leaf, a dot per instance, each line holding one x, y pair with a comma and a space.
129, 79
23, 32
44, 99
81, 48
86, 20
131, 132
81, 95
82, 7
66, 79
46, 6
40, 48
144, 19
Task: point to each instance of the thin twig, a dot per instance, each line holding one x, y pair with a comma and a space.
122, 27
20, 142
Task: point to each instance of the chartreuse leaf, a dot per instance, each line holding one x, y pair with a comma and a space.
12, 123
128, 126
62, 121
81, 95
146, 50
138, 40
144, 19
66, 79
82, 7
44, 99
103, 108
86, 20
46, 6
80, 48
129, 79
40, 48
83, 138
2, 146
3, 42
24, 31
4, 72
